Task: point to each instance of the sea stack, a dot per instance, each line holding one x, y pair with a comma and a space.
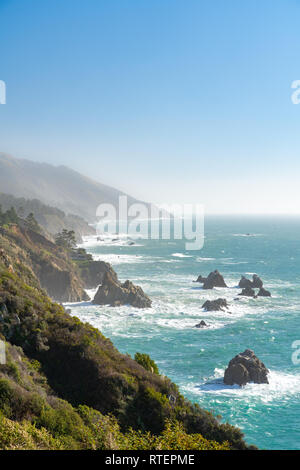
263, 293
214, 279
113, 292
246, 283
245, 368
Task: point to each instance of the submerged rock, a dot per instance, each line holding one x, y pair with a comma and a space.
113, 292
215, 305
263, 293
200, 279
202, 324
214, 279
244, 368
248, 292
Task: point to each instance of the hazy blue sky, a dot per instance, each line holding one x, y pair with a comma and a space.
170, 100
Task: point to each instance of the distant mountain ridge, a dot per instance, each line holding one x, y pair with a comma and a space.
57, 186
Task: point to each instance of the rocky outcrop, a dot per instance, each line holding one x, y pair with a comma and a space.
215, 305
51, 265
113, 292
61, 285
200, 279
256, 281
214, 279
202, 324
248, 287
245, 368
248, 292
245, 283
263, 293
92, 273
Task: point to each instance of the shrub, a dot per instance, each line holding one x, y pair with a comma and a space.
146, 361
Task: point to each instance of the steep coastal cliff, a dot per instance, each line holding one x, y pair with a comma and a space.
53, 269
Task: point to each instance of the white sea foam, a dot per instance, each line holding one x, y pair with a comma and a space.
114, 258
248, 235
281, 386
120, 239
181, 255
183, 324
233, 262
91, 292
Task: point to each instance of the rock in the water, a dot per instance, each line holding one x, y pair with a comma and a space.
214, 279
215, 305
202, 324
200, 279
92, 273
245, 368
113, 292
248, 292
263, 293
256, 281
245, 283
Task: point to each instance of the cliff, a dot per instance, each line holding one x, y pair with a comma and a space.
53, 270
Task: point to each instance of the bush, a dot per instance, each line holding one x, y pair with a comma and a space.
174, 437
146, 361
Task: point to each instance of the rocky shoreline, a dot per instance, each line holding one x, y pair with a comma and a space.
244, 368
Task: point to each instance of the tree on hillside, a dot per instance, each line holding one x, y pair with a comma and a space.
66, 239
8, 217
31, 223
21, 212
146, 361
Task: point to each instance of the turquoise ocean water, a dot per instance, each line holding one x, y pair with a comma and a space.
269, 415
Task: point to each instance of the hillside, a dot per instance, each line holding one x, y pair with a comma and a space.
63, 377
49, 264
51, 219
57, 186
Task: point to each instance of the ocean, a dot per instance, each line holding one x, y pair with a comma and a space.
195, 359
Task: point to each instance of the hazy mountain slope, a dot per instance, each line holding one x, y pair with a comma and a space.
51, 219
58, 186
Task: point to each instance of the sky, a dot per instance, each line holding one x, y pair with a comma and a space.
172, 101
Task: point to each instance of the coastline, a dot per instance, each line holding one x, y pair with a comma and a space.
258, 324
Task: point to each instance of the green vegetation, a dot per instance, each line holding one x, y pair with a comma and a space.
32, 417
146, 361
66, 239
32, 224
50, 219
34, 256
8, 217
